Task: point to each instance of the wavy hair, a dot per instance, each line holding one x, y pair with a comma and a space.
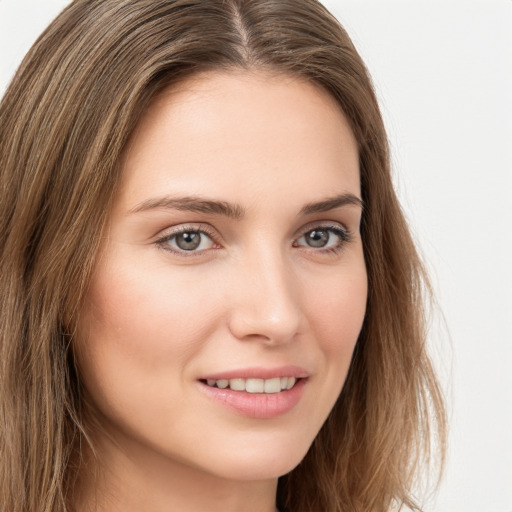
64, 122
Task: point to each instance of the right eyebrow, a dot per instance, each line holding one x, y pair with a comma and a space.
191, 204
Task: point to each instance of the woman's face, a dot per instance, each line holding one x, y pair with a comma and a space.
232, 258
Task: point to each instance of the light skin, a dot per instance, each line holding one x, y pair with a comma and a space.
233, 243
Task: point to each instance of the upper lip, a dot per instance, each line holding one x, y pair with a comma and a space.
259, 373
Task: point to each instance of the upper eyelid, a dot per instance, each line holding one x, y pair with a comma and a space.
211, 231
326, 224
183, 228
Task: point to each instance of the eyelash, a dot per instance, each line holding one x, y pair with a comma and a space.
203, 230
344, 236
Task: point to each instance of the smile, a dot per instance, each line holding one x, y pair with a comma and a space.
256, 397
274, 385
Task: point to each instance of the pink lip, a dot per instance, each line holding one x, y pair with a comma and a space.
260, 373
256, 405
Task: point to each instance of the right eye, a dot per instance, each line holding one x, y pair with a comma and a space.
187, 240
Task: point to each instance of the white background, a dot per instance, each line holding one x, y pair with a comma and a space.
443, 73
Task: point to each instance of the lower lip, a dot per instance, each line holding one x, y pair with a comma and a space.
258, 405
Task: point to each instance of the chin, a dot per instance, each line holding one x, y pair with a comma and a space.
259, 461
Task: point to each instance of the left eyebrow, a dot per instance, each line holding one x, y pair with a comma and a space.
331, 203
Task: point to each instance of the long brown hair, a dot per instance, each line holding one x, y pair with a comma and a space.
64, 122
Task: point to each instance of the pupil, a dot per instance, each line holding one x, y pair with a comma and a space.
318, 238
188, 241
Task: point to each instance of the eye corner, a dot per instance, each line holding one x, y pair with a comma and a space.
202, 242
324, 235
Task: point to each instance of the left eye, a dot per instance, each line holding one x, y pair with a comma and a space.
189, 241
323, 238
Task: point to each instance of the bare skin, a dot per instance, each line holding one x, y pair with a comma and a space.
233, 246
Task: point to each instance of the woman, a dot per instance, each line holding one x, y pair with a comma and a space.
211, 299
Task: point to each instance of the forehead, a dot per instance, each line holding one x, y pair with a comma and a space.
225, 133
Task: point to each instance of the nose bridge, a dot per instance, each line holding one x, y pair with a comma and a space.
267, 304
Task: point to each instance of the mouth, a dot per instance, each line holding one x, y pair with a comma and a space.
255, 397
254, 385
257, 392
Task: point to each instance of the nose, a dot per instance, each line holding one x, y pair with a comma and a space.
266, 301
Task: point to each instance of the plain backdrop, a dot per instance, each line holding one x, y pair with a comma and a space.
443, 74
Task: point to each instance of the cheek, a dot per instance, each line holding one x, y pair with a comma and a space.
149, 311
336, 313
139, 330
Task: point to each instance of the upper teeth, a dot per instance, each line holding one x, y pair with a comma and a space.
255, 385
